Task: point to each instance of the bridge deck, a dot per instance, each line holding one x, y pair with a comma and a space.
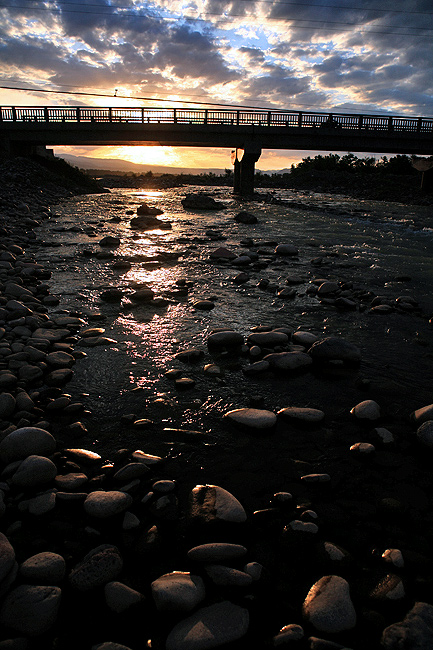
250, 129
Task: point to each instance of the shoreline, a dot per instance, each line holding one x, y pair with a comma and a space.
101, 556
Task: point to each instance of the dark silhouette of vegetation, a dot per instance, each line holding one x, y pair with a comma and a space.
332, 162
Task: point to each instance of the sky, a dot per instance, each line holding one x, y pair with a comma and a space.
347, 56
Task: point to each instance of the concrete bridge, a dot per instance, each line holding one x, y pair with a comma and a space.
246, 132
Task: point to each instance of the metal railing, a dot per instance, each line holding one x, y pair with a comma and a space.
292, 119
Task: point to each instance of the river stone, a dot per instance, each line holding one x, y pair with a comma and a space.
177, 591
288, 635
148, 222
52, 335
328, 606
210, 502
71, 481
31, 610
327, 288
144, 294
389, 588
267, 339
414, 632
424, 433
216, 551
7, 557
34, 471
120, 597
335, 349
246, 217
286, 249
44, 568
106, 504
252, 419
366, 410
288, 361
304, 415
100, 566
227, 340
7, 405
109, 240
210, 627
422, 414
59, 359
146, 209
227, 576
201, 201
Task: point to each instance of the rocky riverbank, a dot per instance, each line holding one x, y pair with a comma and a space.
126, 551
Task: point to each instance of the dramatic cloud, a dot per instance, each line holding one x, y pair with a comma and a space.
322, 55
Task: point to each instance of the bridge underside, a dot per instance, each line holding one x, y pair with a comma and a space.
19, 138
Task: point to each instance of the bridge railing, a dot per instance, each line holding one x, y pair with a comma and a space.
141, 115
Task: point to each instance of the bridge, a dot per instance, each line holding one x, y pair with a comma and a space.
246, 132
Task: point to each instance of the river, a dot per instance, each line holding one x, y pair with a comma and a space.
377, 249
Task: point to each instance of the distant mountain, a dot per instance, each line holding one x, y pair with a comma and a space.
117, 165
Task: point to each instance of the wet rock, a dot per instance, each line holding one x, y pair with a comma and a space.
201, 201
302, 415
288, 361
286, 249
101, 565
144, 294
109, 241
414, 632
246, 217
222, 253
267, 339
148, 222
252, 419
335, 349
178, 591
203, 305
227, 576
328, 606
145, 209
31, 610
210, 627
226, 340
390, 587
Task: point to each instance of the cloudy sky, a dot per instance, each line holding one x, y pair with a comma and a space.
319, 55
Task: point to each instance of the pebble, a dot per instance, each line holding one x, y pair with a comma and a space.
211, 502
210, 627
422, 414
252, 419
366, 410
31, 610
287, 635
415, 632
106, 504
34, 471
226, 576
305, 415
288, 361
26, 441
335, 349
328, 606
424, 433
216, 551
101, 565
44, 568
120, 597
178, 591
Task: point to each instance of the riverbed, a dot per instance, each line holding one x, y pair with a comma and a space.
379, 249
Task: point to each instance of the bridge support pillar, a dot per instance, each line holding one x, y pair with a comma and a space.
244, 162
427, 181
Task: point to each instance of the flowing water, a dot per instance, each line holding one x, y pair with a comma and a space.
384, 248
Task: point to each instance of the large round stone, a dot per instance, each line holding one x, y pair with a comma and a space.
31, 610
25, 442
210, 627
106, 504
328, 606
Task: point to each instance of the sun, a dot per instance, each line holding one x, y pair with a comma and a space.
154, 155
